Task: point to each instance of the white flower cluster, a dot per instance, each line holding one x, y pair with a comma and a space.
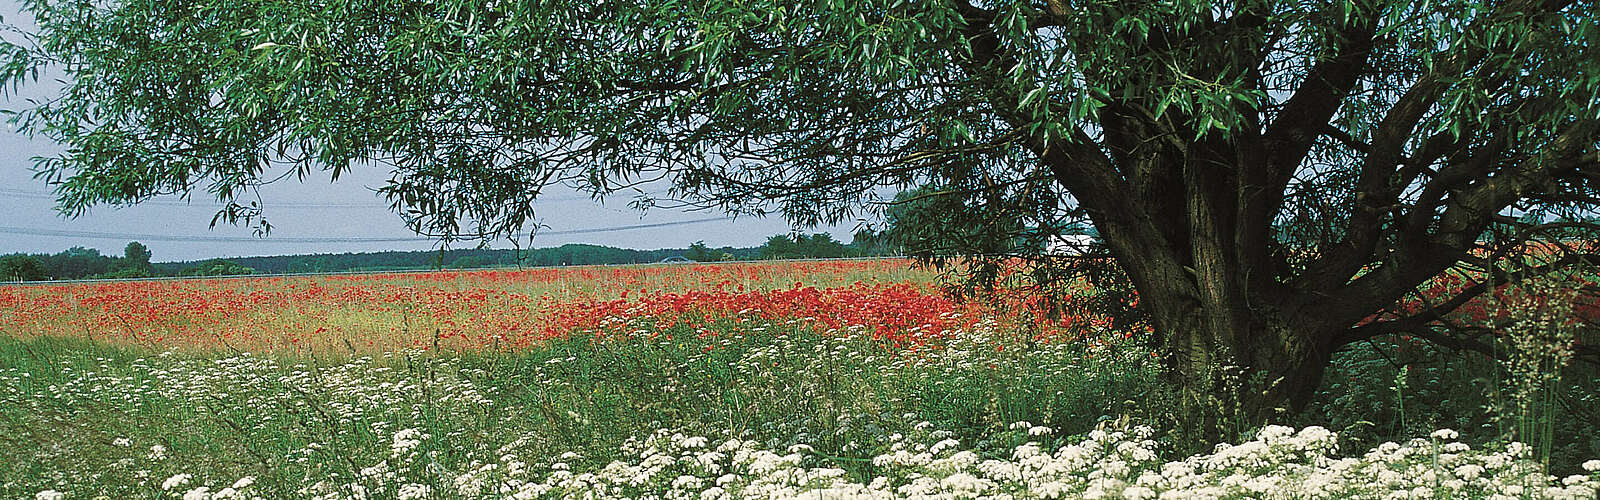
1279, 463
240, 490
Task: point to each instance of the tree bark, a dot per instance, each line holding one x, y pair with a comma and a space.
1243, 374
1241, 349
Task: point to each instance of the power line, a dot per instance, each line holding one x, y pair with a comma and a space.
630, 227
243, 239
192, 239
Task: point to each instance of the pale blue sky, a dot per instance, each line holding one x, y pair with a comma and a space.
314, 209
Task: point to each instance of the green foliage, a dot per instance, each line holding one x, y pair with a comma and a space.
842, 96
73, 263
468, 262
819, 245
216, 267
19, 267
565, 255
845, 397
136, 256
943, 220
698, 252
77, 262
868, 243
1469, 393
779, 246
122, 273
1525, 385
804, 109
803, 246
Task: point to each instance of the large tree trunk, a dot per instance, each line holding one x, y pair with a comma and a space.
1258, 371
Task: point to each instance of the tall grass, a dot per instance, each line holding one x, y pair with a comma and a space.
280, 418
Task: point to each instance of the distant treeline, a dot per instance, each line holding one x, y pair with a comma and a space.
88, 263
564, 255
77, 262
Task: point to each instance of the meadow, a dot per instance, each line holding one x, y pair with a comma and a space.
825, 379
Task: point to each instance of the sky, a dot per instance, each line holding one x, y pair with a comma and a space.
306, 215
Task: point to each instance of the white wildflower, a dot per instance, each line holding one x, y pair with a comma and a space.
201, 493
1469, 472
943, 445
405, 440
175, 481
413, 491
686, 483
1517, 449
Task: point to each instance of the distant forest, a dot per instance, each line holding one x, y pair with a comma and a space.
564, 255
88, 263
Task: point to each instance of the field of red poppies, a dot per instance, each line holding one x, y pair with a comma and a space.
509, 309
899, 304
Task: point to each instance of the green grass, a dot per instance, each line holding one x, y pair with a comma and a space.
1467, 392
281, 420
84, 418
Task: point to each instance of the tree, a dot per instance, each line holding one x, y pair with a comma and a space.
136, 256
699, 252
19, 267
77, 262
869, 243
802, 246
217, 267
1385, 136
780, 246
819, 246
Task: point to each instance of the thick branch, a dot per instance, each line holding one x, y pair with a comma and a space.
1145, 254
1466, 214
1288, 139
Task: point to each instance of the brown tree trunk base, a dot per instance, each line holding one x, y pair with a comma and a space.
1230, 383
